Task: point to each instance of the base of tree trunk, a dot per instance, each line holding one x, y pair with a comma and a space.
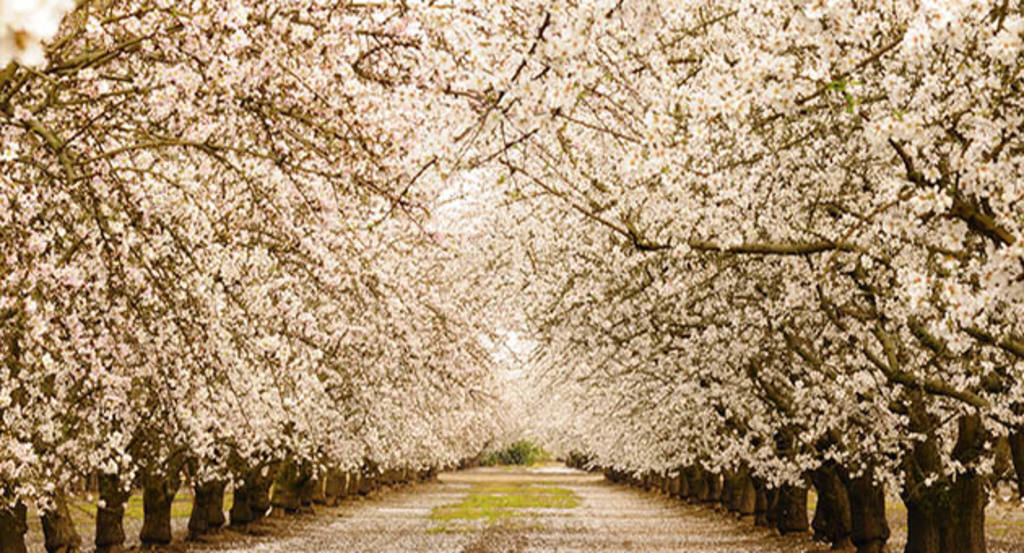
59, 530
215, 516
241, 509
13, 525
791, 510
761, 509
870, 528
832, 515
1017, 456
110, 518
258, 490
157, 498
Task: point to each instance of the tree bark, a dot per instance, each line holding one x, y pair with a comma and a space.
13, 525
334, 487
833, 520
307, 494
684, 485
728, 491
761, 508
353, 485
157, 498
744, 497
288, 488
946, 515
319, 493
772, 507
1017, 455
110, 517
791, 510
241, 507
698, 485
673, 486
59, 532
215, 516
869, 527
714, 487
258, 490
198, 520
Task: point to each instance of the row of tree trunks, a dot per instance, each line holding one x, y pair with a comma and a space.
297, 490
850, 511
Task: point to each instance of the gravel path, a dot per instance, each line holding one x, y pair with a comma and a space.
608, 518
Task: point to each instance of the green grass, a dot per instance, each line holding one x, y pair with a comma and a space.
522, 452
500, 504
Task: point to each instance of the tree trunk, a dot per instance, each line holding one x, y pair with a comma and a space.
1017, 455
728, 491
367, 483
319, 495
110, 517
241, 507
967, 499
744, 500
307, 493
157, 497
869, 527
924, 522
699, 486
59, 530
215, 516
13, 525
199, 519
353, 485
772, 507
832, 516
258, 491
714, 487
761, 508
288, 488
334, 487
791, 510
946, 516
684, 485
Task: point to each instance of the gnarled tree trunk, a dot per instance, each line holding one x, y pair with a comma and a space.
157, 498
288, 488
699, 486
334, 487
207, 509
13, 525
241, 508
761, 507
946, 515
869, 527
110, 516
684, 485
833, 521
1017, 455
791, 510
744, 498
59, 532
714, 487
258, 489
215, 516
